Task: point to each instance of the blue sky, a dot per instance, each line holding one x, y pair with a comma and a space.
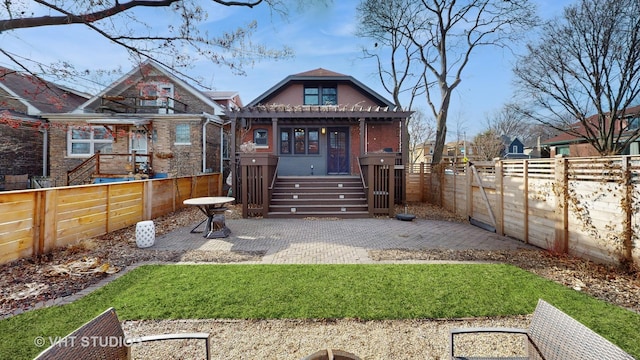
320, 35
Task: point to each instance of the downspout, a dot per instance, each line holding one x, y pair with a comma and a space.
209, 119
45, 149
204, 143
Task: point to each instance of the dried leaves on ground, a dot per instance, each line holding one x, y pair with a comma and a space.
28, 282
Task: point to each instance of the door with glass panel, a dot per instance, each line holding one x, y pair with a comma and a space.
338, 151
139, 145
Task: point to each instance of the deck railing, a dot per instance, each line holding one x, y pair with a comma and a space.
378, 171
257, 172
109, 165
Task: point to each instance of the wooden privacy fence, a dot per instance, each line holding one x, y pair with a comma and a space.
588, 207
33, 222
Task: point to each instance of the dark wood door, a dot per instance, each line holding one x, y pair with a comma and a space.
338, 151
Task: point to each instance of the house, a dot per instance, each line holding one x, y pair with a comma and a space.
513, 148
577, 146
23, 132
421, 153
172, 128
318, 124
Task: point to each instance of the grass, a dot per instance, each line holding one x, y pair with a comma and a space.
370, 292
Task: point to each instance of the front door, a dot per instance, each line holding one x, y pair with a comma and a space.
338, 151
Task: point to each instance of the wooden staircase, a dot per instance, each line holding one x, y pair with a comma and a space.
318, 196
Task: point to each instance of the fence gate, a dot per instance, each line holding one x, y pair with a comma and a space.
482, 204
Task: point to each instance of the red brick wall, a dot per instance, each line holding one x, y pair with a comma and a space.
383, 135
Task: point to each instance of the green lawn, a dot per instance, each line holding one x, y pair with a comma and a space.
320, 291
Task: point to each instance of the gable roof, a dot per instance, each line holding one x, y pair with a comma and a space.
565, 138
319, 74
38, 95
135, 75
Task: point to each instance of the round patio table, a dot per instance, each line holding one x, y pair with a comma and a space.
213, 207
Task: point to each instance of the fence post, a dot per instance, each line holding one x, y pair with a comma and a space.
422, 175
525, 199
627, 208
561, 188
499, 197
468, 172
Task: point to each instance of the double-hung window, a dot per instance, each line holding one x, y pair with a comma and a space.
320, 95
86, 141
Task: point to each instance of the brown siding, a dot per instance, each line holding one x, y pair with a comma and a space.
292, 94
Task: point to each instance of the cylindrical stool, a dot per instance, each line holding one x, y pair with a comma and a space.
145, 234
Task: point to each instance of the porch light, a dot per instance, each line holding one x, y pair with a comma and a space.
323, 131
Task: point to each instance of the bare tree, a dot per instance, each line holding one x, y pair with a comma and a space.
448, 32
587, 62
170, 46
396, 57
488, 145
511, 122
421, 132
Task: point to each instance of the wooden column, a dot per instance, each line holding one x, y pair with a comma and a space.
363, 129
274, 136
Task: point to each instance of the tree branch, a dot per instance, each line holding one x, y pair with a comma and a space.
70, 18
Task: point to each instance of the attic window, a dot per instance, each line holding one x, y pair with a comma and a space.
320, 95
633, 123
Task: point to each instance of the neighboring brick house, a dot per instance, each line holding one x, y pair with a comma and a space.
577, 146
175, 128
319, 122
23, 132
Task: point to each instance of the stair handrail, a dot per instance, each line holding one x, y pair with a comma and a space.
275, 175
364, 185
93, 160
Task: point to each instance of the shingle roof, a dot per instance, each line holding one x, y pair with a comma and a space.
319, 72
40, 95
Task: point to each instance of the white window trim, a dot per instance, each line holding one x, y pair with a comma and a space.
182, 143
159, 98
91, 141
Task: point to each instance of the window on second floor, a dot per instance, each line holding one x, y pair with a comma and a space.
86, 141
633, 123
320, 95
157, 95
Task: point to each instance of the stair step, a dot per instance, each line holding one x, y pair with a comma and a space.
331, 196
324, 214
